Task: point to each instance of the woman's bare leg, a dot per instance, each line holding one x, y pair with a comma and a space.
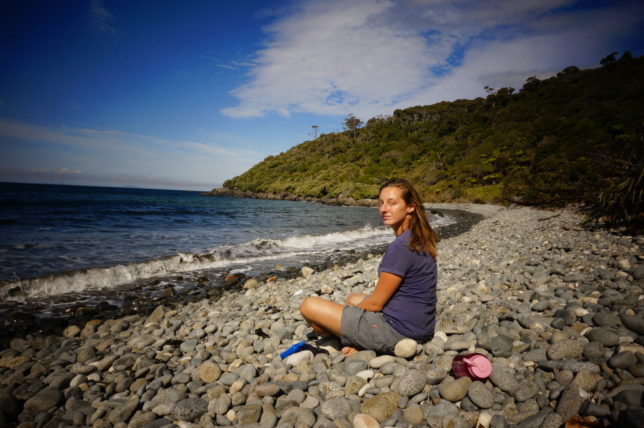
324, 316
353, 299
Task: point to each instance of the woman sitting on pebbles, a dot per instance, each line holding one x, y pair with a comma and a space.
403, 304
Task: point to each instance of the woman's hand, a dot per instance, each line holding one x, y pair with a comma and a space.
387, 285
354, 299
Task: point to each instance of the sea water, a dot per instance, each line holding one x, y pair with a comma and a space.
57, 240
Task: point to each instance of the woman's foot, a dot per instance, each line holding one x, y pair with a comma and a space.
348, 350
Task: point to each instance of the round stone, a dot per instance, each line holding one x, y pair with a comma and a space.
249, 414
296, 395
443, 411
228, 378
44, 400
381, 406
366, 374
85, 354
251, 283
71, 331
353, 367
335, 408
209, 371
380, 361
480, 395
570, 402
331, 389
247, 372
606, 319
306, 271
140, 342
633, 322
526, 390
362, 420
587, 380
503, 377
553, 420
593, 351
413, 414
622, 360
221, 404
454, 390
190, 409
189, 345
566, 349
567, 315
603, 335
405, 348
564, 377
297, 358
458, 344
435, 375
637, 370
411, 383
365, 356
354, 384
268, 389
467, 405
501, 346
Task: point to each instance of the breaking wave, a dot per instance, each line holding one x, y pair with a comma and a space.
222, 257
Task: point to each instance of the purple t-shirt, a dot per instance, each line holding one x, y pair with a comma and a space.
412, 308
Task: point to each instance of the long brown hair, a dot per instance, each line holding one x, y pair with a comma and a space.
423, 238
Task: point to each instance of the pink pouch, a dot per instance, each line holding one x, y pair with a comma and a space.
475, 366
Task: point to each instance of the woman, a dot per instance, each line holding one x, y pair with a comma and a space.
403, 304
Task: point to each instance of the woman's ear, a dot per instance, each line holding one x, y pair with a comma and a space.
411, 209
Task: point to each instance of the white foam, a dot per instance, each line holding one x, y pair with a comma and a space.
103, 278
365, 234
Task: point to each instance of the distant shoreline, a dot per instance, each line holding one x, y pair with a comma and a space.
468, 214
351, 202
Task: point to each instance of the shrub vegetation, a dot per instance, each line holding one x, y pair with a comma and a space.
575, 137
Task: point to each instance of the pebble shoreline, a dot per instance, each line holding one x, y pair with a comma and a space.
555, 307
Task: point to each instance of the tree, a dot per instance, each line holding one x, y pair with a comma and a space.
609, 59
351, 124
315, 131
531, 84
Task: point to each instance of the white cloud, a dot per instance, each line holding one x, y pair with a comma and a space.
61, 171
332, 56
109, 140
101, 18
370, 57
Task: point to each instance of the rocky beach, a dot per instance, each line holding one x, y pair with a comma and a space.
555, 307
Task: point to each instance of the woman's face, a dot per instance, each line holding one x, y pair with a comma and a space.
393, 208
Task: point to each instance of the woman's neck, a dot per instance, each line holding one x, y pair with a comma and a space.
402, 227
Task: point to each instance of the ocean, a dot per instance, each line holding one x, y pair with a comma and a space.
65, 247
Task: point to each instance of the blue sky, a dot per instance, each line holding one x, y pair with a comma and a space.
184, 95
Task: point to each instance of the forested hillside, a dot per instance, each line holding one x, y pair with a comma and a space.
554, 141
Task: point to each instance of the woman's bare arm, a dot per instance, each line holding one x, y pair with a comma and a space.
387, 285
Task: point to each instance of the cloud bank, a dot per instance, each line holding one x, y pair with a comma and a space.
369, 57
35, 153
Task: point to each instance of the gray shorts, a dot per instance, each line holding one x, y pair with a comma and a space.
368, 330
